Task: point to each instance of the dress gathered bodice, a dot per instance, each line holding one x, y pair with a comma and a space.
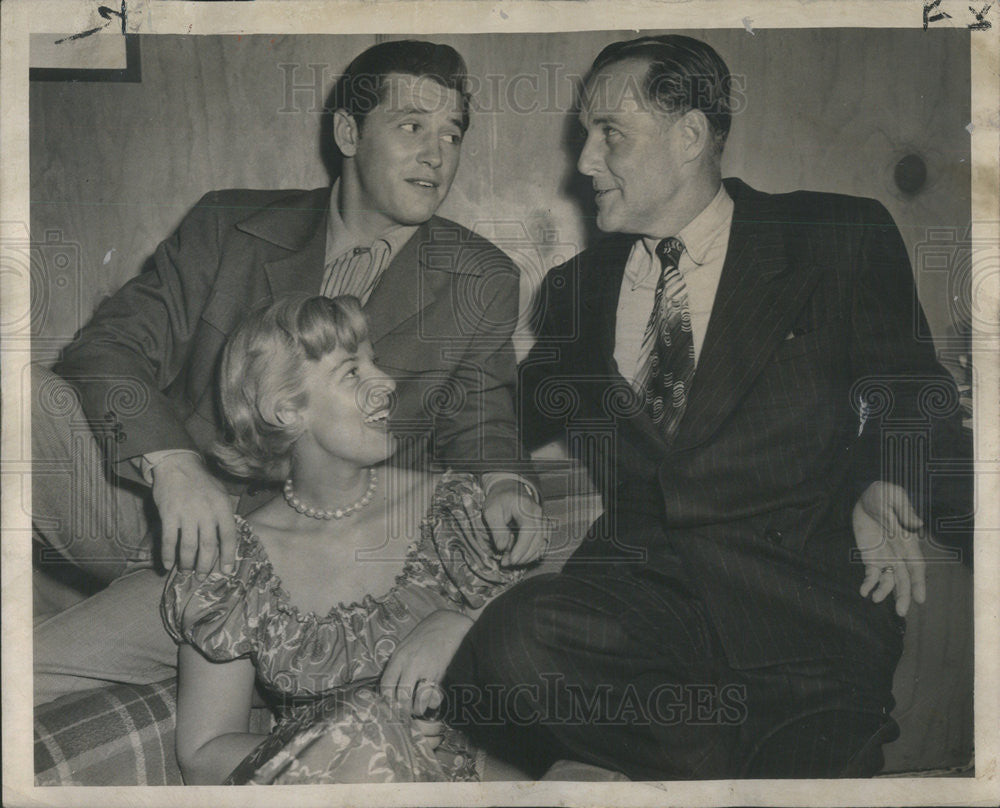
248, 613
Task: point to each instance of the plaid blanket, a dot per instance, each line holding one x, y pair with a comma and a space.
120, 735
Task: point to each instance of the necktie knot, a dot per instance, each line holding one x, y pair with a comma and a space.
669, 251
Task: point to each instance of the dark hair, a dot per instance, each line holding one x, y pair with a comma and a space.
359, 88
261, 373
683, 74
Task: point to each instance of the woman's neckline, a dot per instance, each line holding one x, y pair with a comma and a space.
286, 601
368, 602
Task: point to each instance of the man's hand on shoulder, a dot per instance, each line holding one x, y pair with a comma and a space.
514, 517
887, 531
196, 515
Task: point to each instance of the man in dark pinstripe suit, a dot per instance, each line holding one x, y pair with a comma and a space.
727, 364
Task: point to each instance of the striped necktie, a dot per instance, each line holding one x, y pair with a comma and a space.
667, 345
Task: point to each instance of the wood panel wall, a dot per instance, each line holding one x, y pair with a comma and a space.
115, 166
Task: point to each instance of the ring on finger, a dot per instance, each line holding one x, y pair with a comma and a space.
888, 570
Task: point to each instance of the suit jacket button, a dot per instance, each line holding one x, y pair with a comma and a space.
774, 536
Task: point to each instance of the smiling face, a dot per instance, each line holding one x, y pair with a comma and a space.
346, 414
401, 161
634, 152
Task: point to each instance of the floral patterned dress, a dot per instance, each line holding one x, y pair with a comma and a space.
321, 673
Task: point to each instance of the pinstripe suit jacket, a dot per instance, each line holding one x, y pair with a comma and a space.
815, 312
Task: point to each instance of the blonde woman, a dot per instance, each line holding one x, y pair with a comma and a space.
350, 592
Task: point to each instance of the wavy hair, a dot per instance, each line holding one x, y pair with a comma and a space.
683, 74
361, 86
261, 374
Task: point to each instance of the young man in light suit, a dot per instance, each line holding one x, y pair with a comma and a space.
719, 362
442, 303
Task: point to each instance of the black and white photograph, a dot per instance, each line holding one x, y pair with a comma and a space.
522, 403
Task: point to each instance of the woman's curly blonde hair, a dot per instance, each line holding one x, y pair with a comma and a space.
262, 374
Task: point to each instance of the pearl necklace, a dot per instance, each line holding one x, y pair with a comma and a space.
336, 513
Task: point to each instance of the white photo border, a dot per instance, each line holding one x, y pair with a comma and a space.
20, 18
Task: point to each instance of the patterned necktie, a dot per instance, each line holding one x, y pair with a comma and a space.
667, 345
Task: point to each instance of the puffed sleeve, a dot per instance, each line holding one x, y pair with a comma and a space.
220, 614
462, 558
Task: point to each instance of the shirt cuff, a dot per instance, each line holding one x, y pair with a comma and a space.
147, 462
491, 478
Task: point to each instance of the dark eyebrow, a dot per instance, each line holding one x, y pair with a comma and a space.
410, 109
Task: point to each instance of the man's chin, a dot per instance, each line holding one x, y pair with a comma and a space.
608, 224
419, 209
415, 218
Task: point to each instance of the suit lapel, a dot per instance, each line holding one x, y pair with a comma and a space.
298, 224
599, 317
300, 270
761, 291
404, 288
599, 310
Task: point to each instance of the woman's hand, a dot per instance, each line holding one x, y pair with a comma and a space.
419, 662
433, 731
887, 532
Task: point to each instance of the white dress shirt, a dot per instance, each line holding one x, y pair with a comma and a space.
705, 238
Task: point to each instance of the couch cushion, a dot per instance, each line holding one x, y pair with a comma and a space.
119, 735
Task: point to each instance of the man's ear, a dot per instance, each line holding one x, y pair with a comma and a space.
345, 132
696, 133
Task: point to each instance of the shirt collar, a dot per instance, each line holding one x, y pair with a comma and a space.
703, 230
340, 238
